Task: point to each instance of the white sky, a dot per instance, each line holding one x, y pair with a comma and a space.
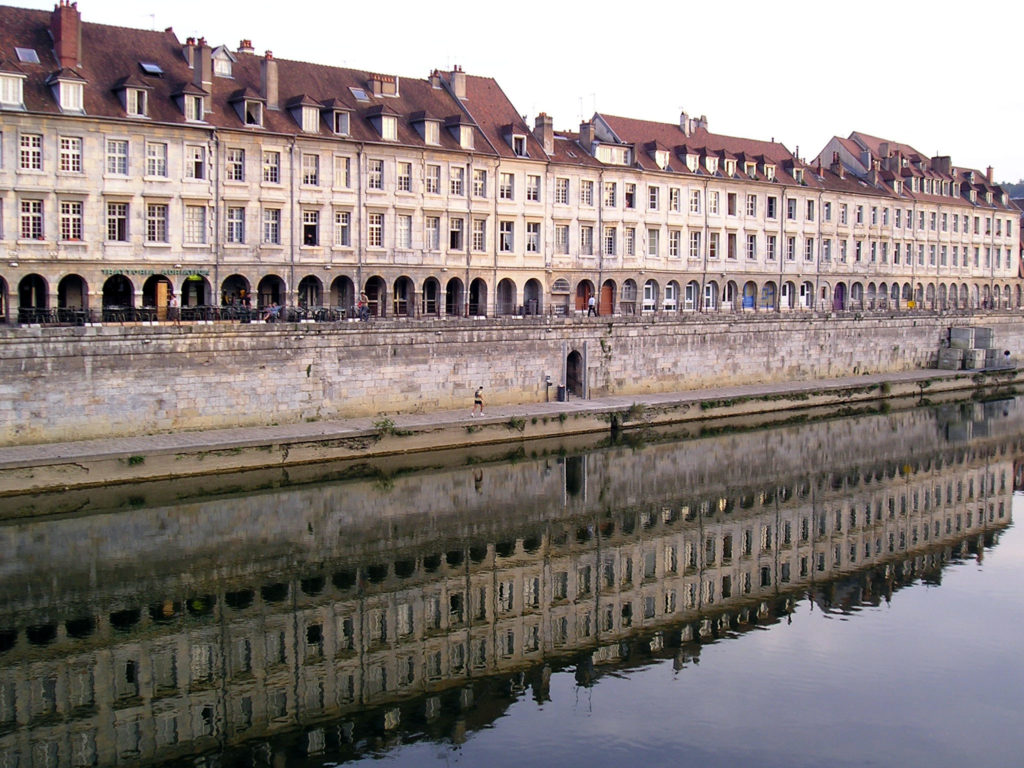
938, 75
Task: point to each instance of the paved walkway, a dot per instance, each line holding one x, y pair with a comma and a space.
218, 439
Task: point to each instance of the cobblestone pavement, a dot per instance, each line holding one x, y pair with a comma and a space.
27, 455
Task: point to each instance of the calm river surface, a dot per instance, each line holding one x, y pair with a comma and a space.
841, 592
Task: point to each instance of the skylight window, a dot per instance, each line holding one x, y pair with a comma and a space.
151, 69
359, 93
27, 55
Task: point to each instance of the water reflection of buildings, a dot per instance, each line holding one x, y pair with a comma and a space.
434, 597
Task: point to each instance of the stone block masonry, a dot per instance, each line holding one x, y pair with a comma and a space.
59, 384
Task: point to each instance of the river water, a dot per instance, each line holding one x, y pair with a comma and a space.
831, 591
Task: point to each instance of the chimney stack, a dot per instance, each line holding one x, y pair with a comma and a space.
268, 81
66, 28
202, 65
543, 129
989, 174
684, 124
457, 81
435, 79
586, 135
245, 46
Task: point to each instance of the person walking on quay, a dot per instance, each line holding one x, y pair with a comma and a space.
591, 306
363, 307
478, 401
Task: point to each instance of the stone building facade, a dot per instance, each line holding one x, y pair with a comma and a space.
134, 167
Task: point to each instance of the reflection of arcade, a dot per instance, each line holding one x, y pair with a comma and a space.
443, 640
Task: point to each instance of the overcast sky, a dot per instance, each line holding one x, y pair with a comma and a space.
938, 76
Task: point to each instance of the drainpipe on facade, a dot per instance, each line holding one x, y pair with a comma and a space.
294, 204
781, 246
707, 244
357, 223
600, 235
217, 245
821, 246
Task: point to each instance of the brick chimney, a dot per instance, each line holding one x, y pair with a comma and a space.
837, 166
989, 174
245, 46
586, 135
189, 51
268, 81
544, 130
684, 124
435, 78
202, 66
457, 80
66, 28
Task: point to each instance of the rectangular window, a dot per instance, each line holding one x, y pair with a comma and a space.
31, 219
311, 169
843, 247
375, 230
71, 155
533, 189
694, 201
810, 210
506, 236
432, 180
826, 211
713, 240
653, 243
506, 187
730, 203
404, 231
479, 234
457, 180
433, 232
117, 222
771, 247
156, 159
610, 238
342, 229
826, 253
713, 202
117, 157
533, 237
751, 246
673, 199
751, 205
343, 171
675, 238
156, 223
193, 107
586, 192
791, 208
653, 198
561, 191
479, 183
843, 213
772, 205
694, 245
70, 220
404, 179
272, 167
195, 224
629, 241
809, 249
375, 174
455, 234
587, 241
30, 157
790, 249
610, 194
236, 225
195, 162
272, 226
562, 238
235, 162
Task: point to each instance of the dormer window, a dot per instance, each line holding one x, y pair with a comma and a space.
71, 96
897, 187
973, 196
769, 172
613, 154
519, 145
253, 113
431, 133
194, 107
11, 90
956, 189
988, 198
341, 123
135, 102
798, 175
310, 119
750, 169
388, 127
222, 67
466, 136
692, 162
661, 158
711, 163
730, 167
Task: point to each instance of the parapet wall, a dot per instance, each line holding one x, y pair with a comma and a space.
77, 383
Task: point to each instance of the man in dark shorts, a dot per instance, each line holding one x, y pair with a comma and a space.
478, 401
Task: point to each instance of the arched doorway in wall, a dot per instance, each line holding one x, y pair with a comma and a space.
857, 296
574, 374
403, 297
343, 295
627, 303
72, 293
157, 292
650, 299
270, 290
806, 295
671, 301
235, 291
729, 296
870, 296
533, 297
1016, 299
478, 298
33, 298
377, 295
506, 297
118, 291
691, 296
5, 302
768, 297
430, 301
750, 295
1006, 297
941, 298
986, 297
711, 295
825, 296
454, 298
894, 295
584, 290
311, 292
839, 297
195, 291
929, 296
882, 302
919, 296
975, 297
788, 296
606, 301
907, 295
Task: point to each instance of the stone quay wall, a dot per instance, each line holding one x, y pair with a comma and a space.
61, 384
